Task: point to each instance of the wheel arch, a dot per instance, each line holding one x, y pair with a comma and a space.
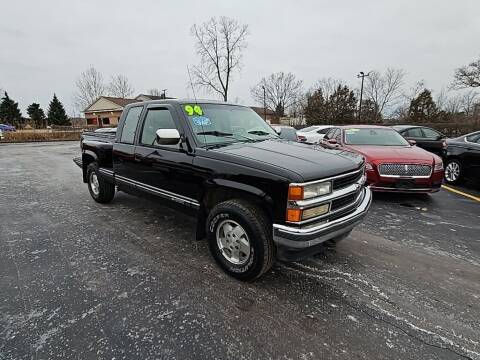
219, 190
87, 158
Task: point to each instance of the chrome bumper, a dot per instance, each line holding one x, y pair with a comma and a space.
301, 238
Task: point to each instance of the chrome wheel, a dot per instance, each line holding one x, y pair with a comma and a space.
233, 242
94, 185
452, 171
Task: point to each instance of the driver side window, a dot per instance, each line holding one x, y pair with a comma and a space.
154, 120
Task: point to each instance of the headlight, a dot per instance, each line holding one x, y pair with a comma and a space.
438, 166
309, 191
319, 189
315, 211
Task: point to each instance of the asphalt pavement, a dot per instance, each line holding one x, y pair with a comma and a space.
127, 280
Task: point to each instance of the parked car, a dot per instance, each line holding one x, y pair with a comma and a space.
5, 127
312, 134
255, 196
392, 163
1, 134
286, 132
463, 158
425, 137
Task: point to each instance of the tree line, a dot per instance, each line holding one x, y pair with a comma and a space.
10, 113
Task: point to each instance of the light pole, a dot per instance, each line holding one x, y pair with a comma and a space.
164, 93
361, 75
264, 104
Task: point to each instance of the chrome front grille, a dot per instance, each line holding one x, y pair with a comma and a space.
347, 190
405, 170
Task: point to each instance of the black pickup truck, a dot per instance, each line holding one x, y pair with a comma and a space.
256, 197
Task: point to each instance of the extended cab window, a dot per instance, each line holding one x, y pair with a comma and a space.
130, 125
154, 120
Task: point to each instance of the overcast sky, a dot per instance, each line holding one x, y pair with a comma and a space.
45, 45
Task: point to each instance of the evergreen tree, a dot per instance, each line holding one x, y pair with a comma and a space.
36, 115
343, 105
56, 113
339, 108
9, 111
316, 110
370, 113
423, 108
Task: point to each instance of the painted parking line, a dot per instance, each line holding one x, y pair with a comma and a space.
476, 198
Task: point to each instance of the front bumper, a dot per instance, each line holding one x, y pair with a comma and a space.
294, 243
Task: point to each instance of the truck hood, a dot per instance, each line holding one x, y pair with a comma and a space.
308, 161
395, 154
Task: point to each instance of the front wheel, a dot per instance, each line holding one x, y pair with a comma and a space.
101, 190
453, 171
240, 240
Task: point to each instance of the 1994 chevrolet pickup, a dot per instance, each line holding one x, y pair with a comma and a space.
256, 197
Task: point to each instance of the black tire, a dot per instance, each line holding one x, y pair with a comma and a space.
257, 227
451, 178
106, 190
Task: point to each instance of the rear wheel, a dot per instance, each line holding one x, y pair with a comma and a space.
453, 171
240, 240
101, 190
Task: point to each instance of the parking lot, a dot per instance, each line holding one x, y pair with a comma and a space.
128, 281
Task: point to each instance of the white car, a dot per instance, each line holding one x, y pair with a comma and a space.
313, 134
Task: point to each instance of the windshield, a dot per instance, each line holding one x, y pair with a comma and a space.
221, 124
374, 136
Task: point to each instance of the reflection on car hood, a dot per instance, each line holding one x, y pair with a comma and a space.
310, 162
393, 153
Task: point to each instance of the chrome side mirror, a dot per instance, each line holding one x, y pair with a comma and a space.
412, 142
168, 136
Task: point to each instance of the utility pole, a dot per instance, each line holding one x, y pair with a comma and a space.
264, 104
361, 75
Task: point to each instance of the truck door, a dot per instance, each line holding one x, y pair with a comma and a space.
164, 170
123, 153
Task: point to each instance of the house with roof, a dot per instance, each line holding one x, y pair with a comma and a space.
106, 110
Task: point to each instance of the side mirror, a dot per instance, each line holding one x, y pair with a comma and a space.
278, 130
412, 142
332, 141
168, 136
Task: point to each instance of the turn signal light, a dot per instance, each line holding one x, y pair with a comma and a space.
294, 215
295, 193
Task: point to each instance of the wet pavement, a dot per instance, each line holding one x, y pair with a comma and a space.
127, 280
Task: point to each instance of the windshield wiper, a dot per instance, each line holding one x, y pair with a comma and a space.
224, 134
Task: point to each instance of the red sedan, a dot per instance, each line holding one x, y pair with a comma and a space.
391, 162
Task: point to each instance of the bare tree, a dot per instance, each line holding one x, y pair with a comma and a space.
467, 76
219, 43
90, 87
384, 90
468, 101
120, 87
327, 86
281, 92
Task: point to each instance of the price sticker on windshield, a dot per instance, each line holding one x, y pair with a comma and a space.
201, 120
192, 110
